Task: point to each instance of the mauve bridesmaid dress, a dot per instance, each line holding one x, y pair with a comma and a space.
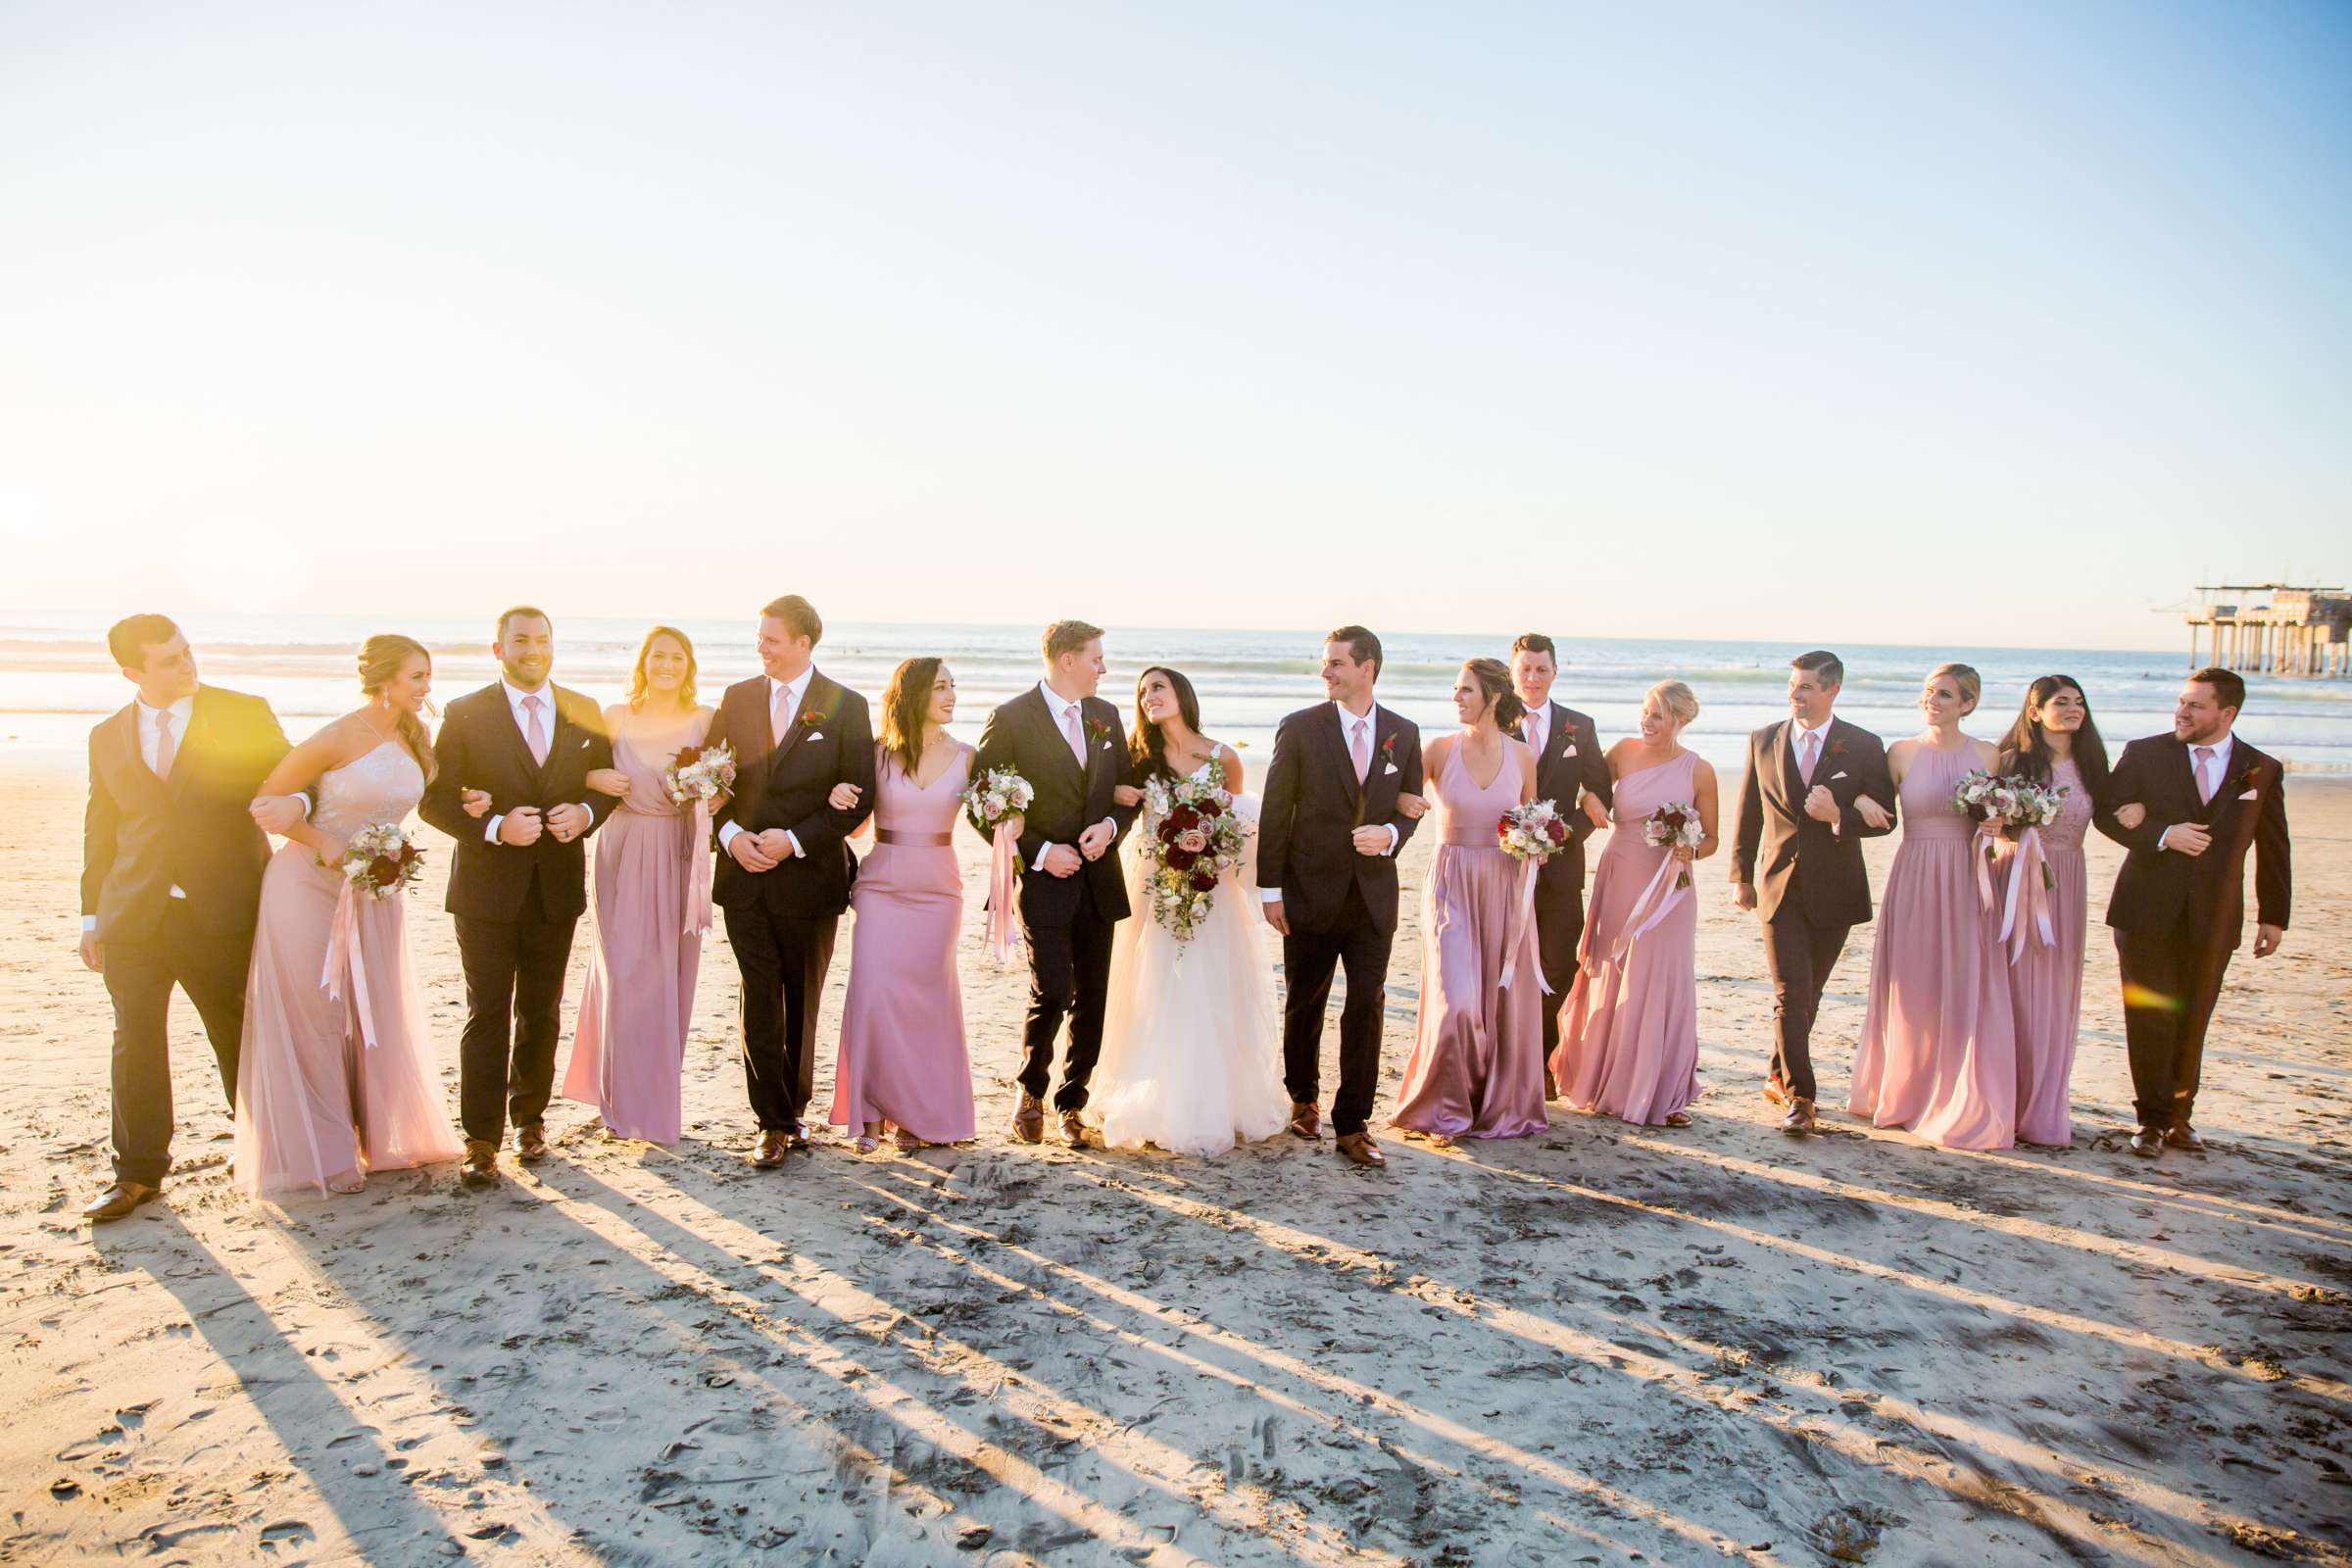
903, 1058
1938, 1050
629, 1050
1629, 1032
1477, 1067
2046, 984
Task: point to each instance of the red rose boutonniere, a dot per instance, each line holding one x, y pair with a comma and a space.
1388, 751
1837, 747
811, 717
1098, 730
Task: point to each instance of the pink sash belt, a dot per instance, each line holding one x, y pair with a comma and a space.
920, 841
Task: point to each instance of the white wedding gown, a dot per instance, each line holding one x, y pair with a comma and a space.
1192, 1047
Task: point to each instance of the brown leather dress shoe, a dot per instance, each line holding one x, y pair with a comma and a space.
2180, 1135
1073, 1129
1307, 1119
796, 1138
1358, 1149
1799, 1121
118, 1200
1776, 1090
1029, 1120
530, 1143
2148, 1141
479, 1167
772, 1149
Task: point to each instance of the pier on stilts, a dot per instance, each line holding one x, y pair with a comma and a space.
2272, 628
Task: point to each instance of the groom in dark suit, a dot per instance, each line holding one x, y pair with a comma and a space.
171, 862
785, 866
1327, 845
1798, 860
512, 789
2180, 904
1069, 745
1568, 758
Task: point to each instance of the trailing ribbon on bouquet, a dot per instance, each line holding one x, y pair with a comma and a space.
343, 953
1636, 923
2031, 872
1004, 940
698, 871
1522, 919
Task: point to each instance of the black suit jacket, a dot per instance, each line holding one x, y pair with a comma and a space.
2163, 889
142, 835
782, 782
1021, 734
480, 748
1793, 860
1313, 806
1572, 757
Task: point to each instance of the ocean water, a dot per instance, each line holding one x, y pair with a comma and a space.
55, 680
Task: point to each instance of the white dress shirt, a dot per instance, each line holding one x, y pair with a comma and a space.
1059, 708
799, 687
523, 725
2214, 773
1797, 731
1348, 722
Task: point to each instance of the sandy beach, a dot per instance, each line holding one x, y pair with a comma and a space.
1604, 1344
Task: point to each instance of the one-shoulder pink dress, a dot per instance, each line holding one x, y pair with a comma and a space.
1939, 1048
1477, 1067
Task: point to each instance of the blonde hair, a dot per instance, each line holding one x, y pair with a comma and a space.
1678, 701
641, 685
1964, 676
1066, 637
380, 659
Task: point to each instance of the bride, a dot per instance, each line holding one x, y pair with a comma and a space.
1190, 1050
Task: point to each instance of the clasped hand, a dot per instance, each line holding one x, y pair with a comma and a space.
763, 851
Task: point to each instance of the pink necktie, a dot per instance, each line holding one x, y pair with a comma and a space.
1806, 764
779, 715
1069, 730
535, 731
2204, 780
1360, 750
165, 748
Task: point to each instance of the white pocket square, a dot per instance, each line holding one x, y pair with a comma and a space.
2250, 794
1835, 777
1389, 772
1569, 750
816, 734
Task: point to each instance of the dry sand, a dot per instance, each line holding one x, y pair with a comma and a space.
1603, 1344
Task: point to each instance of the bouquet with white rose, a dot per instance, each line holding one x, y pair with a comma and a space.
990, 802
1191, 838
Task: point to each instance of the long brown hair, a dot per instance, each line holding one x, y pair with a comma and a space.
1146, 745
641, 685
380, 659
906, 710
2027, 748
1493, 677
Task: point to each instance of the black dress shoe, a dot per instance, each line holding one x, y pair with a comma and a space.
118, 1200
2180, 1135
2148, 1141
480, 1166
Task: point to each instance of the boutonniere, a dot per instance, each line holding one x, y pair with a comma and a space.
811, 717
1098, 730
1388, 749
1837, 747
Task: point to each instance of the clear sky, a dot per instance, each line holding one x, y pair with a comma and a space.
1953, 324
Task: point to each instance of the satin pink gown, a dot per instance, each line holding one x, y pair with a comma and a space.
1629, 1031
2046, 984
1939, 1048
315, 1099
1477, 1067
903, 1058
628, 1052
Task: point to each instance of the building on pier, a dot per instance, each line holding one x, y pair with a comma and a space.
2272, 628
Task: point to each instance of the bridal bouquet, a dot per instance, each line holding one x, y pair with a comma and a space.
1533, 832
699, 773
2020, 806
991, 801
1193, 838
2008, 801
1674, 826
381, 862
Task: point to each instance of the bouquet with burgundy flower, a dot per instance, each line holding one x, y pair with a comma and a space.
381, 862
1533, 832
699, 773
1674, 826
1192, 837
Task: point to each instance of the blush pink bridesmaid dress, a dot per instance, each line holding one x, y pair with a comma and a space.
1477, 1067
336, 1076
629, 1053
2045, 983
1939, 1048
903, 1059
1629, 1032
